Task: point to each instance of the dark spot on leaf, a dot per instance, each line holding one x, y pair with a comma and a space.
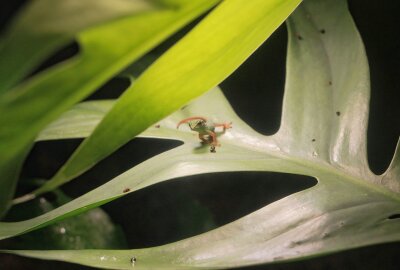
338, 113
157, 126
330, 82
325, 235
299, 37
133, 261
313, 140
395, 216
298, 242
127, 190
322, 31
212, 149
184, 107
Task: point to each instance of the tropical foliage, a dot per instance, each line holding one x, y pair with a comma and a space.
322, 132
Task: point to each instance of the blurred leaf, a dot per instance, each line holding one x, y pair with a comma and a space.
323, 134
105, 51
44, 26
92, 229
201, 60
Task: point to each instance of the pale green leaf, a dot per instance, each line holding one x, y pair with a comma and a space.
349, 207
79, 122
240, 151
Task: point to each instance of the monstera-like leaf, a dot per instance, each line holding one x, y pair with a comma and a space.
322, 134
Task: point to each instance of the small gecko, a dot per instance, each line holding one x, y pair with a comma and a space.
206, 129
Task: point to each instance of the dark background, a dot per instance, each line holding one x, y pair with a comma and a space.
158, 214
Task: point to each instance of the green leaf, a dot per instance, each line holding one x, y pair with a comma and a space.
105, 51
349, 207
93, 229
201, 60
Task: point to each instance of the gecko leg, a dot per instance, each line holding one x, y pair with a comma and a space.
203, 138
225, 126
210, 139
214, 141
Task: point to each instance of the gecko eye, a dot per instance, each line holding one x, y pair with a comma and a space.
193, 124
200, 123
196, 124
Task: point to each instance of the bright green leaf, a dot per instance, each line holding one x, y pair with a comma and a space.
105, 51
349, 207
